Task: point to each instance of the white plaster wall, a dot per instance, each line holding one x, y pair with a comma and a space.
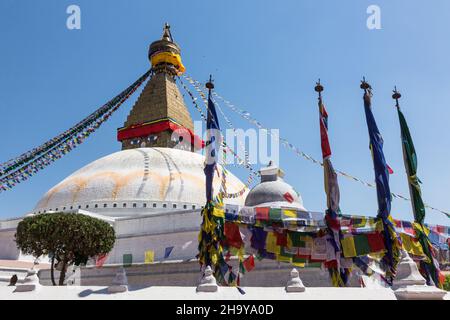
159, 223
8, 247
184, 243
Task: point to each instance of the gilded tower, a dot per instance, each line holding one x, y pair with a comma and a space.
160, 109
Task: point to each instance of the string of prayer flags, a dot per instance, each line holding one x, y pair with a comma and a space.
248, 117
226, 148
28, 164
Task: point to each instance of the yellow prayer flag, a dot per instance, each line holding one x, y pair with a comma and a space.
219, 213
379, 226
149, 256
290, 213
271, 243
419, 227
411, 246
282, 258
348, 246
298, 264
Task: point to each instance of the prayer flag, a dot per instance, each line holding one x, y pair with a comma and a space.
212, 147
411, 245
362, 246
262, 214
348, 246
384, 197
376, 241
271, 243
258, 240
233, 235
249, 263
127, 259
275, 214
167, 252
339, 275
101, 260
149, 256
410, 161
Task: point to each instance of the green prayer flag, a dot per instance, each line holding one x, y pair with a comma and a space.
410, 159
275, 214
295, 238
361, 244
241, 267
127, 260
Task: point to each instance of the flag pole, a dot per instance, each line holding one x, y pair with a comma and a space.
429, 267
339, 276
391, 258
213, 216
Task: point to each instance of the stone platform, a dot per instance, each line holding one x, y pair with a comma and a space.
267, 273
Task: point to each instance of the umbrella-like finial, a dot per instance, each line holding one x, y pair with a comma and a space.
396, 96
318, 88
210, 84
365, 85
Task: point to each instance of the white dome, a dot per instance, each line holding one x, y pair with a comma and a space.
150, 177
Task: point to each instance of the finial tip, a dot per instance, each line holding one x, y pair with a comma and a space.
396, 94
364, 84
318, 88
210, 84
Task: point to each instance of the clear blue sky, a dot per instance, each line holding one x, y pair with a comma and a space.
265, 57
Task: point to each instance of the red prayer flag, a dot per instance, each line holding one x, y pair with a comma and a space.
281, 239
232, 234
101, 260
262, 214
389, 169
228, 256
376, 242
249, 263
325, 143
398, 223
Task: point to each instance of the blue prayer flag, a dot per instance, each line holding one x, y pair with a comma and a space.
167, 252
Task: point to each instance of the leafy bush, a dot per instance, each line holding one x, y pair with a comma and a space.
66, 238
447, 283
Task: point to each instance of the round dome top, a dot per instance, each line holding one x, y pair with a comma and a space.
166, 44
273, 191
130, 178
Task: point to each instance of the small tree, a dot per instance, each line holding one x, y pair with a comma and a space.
67, 238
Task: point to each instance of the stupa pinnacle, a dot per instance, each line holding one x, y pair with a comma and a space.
160, 109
